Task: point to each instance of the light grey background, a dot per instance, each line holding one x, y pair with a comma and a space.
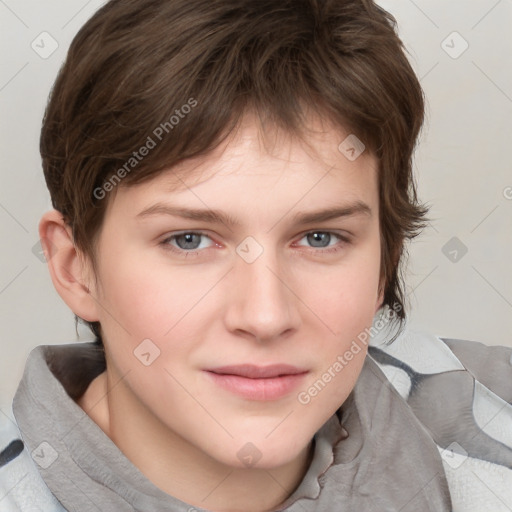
463, 168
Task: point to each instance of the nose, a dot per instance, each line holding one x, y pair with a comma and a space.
262, 304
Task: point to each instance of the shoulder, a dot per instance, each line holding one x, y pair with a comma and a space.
21, 486
460, 391
490, 365
416, 353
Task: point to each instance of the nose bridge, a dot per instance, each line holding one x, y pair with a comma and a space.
263, 303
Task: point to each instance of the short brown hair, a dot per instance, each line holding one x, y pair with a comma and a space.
136, 63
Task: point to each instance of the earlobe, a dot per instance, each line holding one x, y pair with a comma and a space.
66, 267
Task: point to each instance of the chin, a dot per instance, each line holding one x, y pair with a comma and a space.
261, 453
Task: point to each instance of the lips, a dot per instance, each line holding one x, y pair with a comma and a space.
253, 382
250, 371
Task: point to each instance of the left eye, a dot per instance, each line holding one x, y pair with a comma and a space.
321, 239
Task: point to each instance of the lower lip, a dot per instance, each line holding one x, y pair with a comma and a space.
268, 389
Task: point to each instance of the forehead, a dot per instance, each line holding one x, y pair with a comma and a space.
264, 163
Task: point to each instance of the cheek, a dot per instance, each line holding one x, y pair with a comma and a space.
345, 312
149, 300
344, 301
346, 297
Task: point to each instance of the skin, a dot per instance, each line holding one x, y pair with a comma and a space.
296, 303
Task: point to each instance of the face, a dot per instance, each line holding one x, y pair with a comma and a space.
228, 299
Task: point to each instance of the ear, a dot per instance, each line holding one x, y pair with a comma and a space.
70, 273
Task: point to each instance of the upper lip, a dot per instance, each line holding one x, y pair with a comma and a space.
252, 371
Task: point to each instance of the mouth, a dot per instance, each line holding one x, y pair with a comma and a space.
258, 382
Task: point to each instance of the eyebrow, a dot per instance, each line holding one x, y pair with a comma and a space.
219, 217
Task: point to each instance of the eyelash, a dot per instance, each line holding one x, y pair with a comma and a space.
187, 253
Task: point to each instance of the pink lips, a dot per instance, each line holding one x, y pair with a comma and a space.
258, 382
